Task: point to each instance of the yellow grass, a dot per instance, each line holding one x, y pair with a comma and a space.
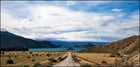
97, 57
22, 57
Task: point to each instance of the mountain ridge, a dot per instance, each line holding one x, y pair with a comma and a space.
11, 40
118, 46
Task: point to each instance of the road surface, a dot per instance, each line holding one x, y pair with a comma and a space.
68, 62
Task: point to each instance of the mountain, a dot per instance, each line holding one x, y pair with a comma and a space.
83, 45
79, 46
11, 40
130, 47
125, 46
72, 43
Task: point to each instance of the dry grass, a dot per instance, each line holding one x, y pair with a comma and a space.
98, 57
21, 58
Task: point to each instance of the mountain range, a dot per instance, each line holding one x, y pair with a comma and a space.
74, 43
11, 40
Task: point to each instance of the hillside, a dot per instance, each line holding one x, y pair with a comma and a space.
12, 40
128, 46
124, 46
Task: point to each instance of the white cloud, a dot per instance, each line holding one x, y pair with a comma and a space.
70, 3
116, 10
61, 23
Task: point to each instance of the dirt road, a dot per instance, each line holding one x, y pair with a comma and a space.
68, 62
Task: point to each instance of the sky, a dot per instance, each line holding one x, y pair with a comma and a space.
97, 21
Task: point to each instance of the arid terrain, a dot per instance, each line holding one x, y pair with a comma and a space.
25, 58
126, 55
97, 58
125, 52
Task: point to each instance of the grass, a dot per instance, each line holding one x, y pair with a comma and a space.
21, 58
97, 58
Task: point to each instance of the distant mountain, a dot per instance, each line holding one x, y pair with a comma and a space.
83, 45
72, 43
12, 40
124, 46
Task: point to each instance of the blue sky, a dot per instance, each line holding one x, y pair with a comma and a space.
105, 21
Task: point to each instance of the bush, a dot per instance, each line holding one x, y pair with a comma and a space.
28, 57
36, 54
15, 56
104, 62
30, 52
33, 60
10, 61
52, 60
2, 52
48, 55
86, 65
33, 55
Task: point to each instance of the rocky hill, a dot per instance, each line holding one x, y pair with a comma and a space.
130, 47
125, 46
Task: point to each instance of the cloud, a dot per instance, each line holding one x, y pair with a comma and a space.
116, 10
70, 3
51, 22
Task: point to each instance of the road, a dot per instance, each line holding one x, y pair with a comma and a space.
68, 62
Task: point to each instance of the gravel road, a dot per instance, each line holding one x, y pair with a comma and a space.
68, 62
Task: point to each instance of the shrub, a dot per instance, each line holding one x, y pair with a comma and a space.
48, 55
2, 52
33, 60
15, 56
112, 55
28, 57
30, 52
52, 60
86, 65
36, 54
33, 55
104, 62
10, 61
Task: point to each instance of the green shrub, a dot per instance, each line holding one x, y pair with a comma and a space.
10, 61
86, 65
